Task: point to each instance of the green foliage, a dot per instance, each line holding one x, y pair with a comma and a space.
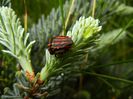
13, 38
6, 62
80, 34
52, 26
5, 2
83, 29
35, 8
7, 65
17, 92
98, 63
124, 9
110, 37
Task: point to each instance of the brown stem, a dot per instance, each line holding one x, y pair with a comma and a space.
68, 16
93, 8
25, 16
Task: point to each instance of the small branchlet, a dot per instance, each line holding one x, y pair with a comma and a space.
12, 36
80, 34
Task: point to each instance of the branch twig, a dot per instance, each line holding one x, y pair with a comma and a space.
93, 8
25, 16
68, 17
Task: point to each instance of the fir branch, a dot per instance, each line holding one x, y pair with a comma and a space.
13, 38
80, 34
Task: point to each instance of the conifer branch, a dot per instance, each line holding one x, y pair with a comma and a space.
12, 36
83, 29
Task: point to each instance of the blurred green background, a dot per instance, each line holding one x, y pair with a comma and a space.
35, 8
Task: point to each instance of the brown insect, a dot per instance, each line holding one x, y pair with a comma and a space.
59, 44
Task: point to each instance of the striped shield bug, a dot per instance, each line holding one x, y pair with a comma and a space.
59, 44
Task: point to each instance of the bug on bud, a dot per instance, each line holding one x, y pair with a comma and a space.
59, 44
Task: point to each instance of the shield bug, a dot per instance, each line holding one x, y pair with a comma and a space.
59, 44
